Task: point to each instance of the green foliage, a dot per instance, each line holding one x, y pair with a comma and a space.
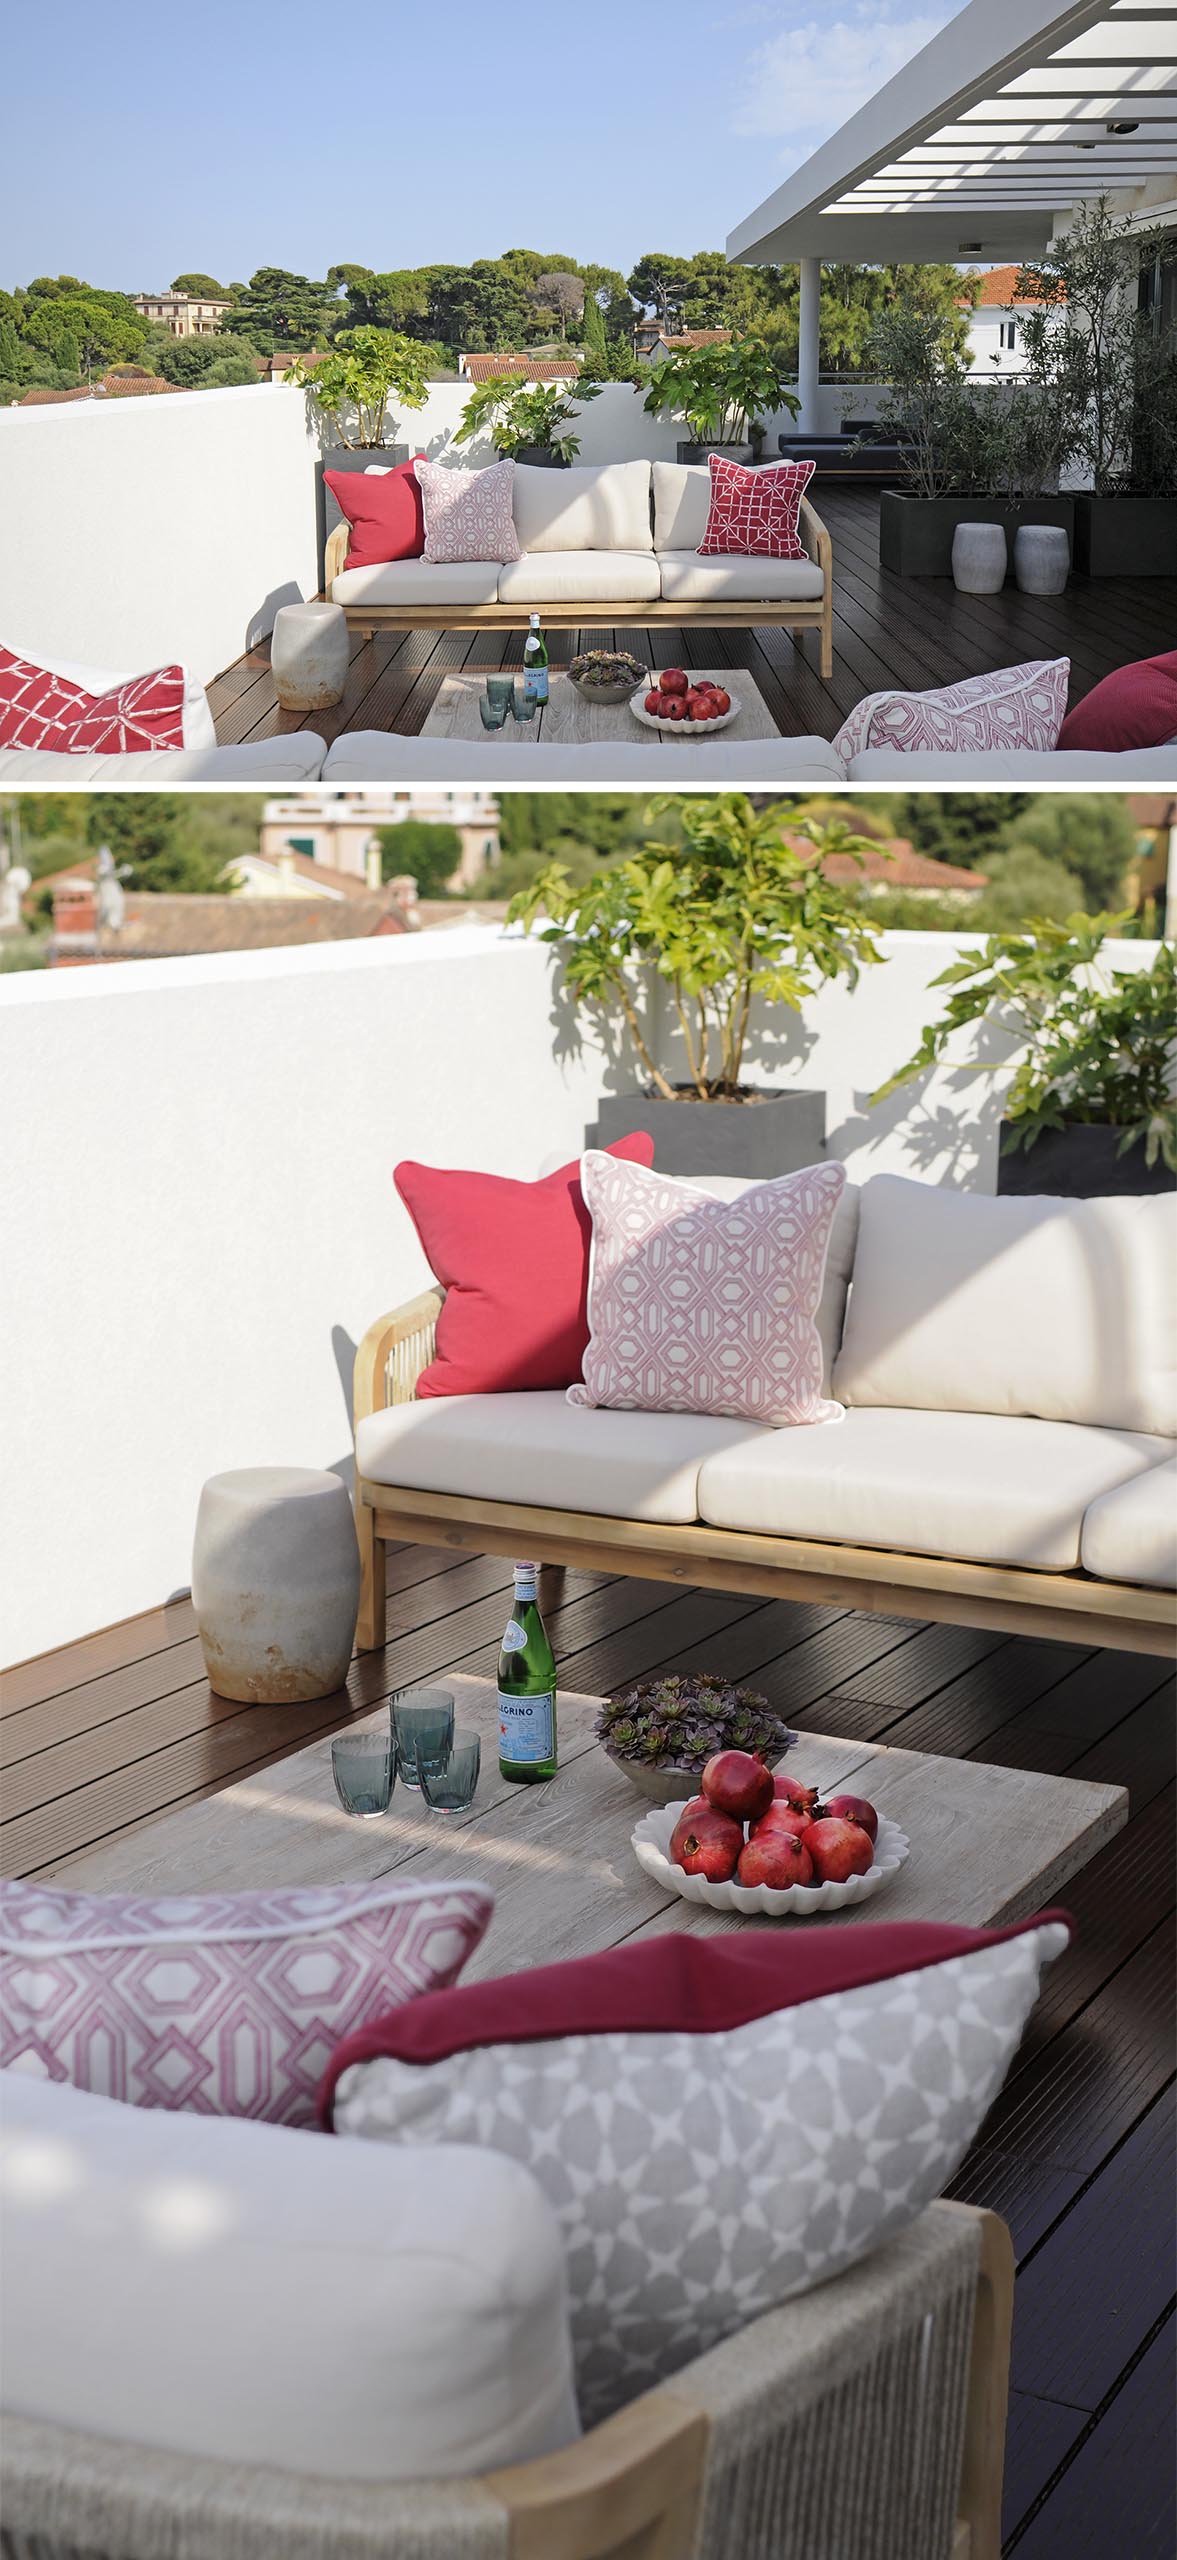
31, 951
276, 310
353, 386
149, 836
428, 853
963, 827
593, 335
79, 327
726, 914
1091, 833
519, 414
1098, 1043
203, 288
721, 390
1094, 347
678, 1721
195, 362
9, 350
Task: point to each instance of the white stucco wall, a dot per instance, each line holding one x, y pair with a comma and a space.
134, 531
198, 1218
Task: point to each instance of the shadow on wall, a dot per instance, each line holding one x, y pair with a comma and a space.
261, 621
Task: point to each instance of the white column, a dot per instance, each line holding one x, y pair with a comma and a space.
808, 347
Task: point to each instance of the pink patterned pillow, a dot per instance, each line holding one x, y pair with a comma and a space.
1015, 707
699, 1305
468, 513
756, 511
219, 2004
42, 709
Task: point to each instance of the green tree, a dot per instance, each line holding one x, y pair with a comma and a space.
593, 338
429, 854
278, 310
1089, 834
659, 284
95, 328
964, 827
205, 288
191, 362
149, 837
9, 349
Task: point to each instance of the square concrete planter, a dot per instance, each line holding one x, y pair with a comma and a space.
1080, 1162
915, 534
748, 1141
1125, 537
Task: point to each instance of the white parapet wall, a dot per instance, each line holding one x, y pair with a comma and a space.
137, 531
198, 1217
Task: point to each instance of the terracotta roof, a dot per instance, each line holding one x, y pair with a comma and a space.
997, 290
529, 368
113, 386
896, 865
163, 927
696, 337
1152, 809
334, 884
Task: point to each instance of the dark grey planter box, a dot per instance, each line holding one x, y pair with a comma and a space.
700, 452
915, 534
1080, 1163
346, 458
543, 457
750, 1141
1125, 537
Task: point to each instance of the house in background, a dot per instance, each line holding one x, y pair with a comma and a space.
526, 365
338, 828
654, 340
186, 315
1154, 873
997, 324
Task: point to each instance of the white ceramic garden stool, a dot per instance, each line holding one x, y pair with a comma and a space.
1042, 559
309, 655
275, 1583
980, 558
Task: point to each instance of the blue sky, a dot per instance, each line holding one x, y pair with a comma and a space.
276, 132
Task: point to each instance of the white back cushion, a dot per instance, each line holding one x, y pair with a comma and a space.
831, 1313
253, 2293
682, 504
586, 508
1061, 1308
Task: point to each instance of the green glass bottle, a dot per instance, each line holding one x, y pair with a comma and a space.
527, 1689
535, 662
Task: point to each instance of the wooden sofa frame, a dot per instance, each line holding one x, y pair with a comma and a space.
783, 612
875, 2403
1073, 1608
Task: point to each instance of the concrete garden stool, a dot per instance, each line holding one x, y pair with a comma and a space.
980, 558
309, 655
1042, 559
275, 1583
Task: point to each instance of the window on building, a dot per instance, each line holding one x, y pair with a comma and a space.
1008, 335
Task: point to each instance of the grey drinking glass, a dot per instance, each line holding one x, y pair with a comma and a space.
363, 1766
492, 714
423, 1725
499, 689
522, 702
451, 1789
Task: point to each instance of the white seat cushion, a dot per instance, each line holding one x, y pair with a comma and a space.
1130, 1534
579, 577
296, 757
403, 582
379, 755
1010, 764
736, 579
601, 507
682, 504
539, 1448
990, 1488
1061, 1308
255, 2294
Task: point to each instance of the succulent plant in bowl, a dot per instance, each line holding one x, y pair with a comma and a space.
663, 1732
607, 675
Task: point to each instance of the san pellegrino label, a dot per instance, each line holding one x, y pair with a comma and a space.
526, 1688
535, 662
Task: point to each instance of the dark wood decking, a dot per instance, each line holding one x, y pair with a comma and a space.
888, 631
1077, 2153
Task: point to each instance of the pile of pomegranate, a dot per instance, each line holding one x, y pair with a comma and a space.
678, 696
762, 1829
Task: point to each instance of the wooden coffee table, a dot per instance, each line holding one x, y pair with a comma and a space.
988, 1844
568, 720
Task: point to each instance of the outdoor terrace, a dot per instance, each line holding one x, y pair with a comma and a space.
888, 631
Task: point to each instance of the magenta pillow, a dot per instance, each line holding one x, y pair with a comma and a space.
385, 512
221, 2004
699, 1305
1134, 707
512, 1258
756, 512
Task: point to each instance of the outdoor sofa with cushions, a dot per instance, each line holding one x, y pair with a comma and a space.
1008, 1369
618, 541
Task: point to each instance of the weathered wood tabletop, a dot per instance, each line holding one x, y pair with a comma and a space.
987, 1844
569, 720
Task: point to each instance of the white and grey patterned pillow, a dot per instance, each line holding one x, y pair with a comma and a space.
702, 2173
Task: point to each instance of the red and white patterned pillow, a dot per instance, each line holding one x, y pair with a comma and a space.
1020, 707
756, 512
699, 1305
468, 513
46, 712
220, 2004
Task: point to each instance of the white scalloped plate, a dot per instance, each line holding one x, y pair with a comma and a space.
651, 1840
682, 728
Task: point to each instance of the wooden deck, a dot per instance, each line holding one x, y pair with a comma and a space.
888, 631
1077, 2154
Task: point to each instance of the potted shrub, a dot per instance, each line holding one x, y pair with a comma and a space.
663, 1732
976, 452
729, 914
353, 386
1092, 1107
723, 391
529, 421
1122, 389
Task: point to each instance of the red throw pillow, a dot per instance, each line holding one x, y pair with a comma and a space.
756, 511
384, 511
1135, 707
512, 1258
54, 715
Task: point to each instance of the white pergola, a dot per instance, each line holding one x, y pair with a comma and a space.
980, 146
